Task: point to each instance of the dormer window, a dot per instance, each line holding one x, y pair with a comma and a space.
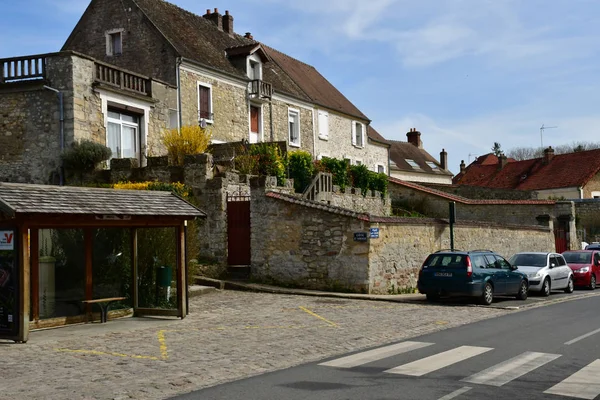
254, 72
114, 42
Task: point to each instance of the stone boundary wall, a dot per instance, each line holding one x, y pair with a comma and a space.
402, 247
352, 199
482, 193
308, 247
437, 207
588, 219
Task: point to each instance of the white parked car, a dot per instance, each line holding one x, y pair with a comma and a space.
546, 271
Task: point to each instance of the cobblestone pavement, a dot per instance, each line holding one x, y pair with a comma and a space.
228, 336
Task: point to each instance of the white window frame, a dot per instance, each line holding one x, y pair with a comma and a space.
109, 41
377, 168
210, 101
297, 113
260, 121
354, 141
595, 195
323, 155
323, 124
358, 161
115, 100
137, 126
254, 59
173, 119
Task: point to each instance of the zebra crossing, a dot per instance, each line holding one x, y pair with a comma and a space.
583, 384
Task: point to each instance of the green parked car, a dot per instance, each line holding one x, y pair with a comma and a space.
481, 274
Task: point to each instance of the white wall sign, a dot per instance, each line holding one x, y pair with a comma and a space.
7, 240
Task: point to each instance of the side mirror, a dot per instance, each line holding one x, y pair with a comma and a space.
513, 267
552, 265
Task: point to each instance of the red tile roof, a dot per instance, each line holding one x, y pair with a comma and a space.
564, 170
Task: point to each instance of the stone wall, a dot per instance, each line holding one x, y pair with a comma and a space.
593, 185
145, 51
281, 125
296, 243
30, 127
308, 248
397, 255
483, 193
437, 207
352, 199
588, 219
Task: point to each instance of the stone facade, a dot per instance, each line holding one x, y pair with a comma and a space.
592, 188
352, 199
144, 49
30, 114
588, 219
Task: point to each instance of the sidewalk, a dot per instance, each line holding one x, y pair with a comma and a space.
257, 287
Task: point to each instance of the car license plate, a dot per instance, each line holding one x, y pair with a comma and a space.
443, 274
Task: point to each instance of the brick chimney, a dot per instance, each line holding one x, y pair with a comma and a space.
548, 154
463, 167
248, 35
414, 137
444, 159
228, 22
502, 161
215, 18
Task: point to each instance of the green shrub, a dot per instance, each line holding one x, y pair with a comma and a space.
378, 182
270, 161
85, 155
360, 177
301, 169
338, 168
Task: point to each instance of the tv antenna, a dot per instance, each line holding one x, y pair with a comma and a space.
471, 154
542, 128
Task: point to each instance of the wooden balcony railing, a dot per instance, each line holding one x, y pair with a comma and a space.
321, 188
22, 68
259, 89
110, 75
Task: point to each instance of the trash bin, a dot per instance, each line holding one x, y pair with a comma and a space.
164, 275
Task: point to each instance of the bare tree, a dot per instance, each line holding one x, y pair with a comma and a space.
527, 153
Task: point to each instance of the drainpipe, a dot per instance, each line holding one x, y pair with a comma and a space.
179, 117
581, 192
62, 131
271, 119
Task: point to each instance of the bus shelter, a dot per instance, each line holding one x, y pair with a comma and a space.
62, 248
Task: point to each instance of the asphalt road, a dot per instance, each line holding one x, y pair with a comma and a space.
550, 352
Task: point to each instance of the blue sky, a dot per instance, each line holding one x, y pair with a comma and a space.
466, 73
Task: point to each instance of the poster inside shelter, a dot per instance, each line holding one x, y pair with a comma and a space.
9, 283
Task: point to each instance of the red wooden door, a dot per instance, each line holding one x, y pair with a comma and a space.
238, 231
254, 111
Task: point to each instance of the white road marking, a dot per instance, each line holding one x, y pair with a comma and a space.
577, 339
456, 393
509, 370
438, 361
583, 384
374, 355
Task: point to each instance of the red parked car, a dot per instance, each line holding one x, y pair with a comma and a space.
585, 265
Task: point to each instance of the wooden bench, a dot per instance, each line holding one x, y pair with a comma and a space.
103, 304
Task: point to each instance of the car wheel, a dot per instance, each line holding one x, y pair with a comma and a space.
570, 286
593, 282
546, 287
522, 294
487, 297
433, 297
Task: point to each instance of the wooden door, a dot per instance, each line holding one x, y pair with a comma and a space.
238, 230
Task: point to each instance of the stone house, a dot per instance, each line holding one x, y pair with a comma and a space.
569, 176
410, 162
48, 101
238, 87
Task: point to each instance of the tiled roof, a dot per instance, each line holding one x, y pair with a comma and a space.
373, 134
314, 85
402, 151
463, 200
196, 38
16, 198
564, 170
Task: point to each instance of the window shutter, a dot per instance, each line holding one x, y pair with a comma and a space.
354, 133
362, 131
204, 94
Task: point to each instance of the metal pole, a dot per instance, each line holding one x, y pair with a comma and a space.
452, 218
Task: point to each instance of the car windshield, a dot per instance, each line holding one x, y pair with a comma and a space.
578, 258
592, 247
446, 260
529, 260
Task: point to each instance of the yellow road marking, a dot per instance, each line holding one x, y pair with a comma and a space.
306, 310
163, 345
102, 353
